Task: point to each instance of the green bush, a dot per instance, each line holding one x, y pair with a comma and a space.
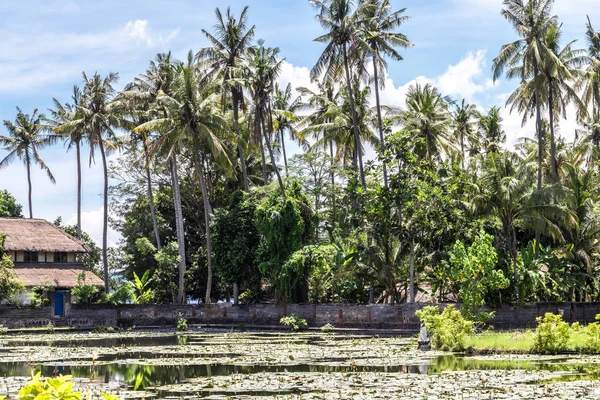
3, 330
447, 329
294, 322
327, 328
551, 335
182, 325
591, 335
104, 329
50, 328
58, 388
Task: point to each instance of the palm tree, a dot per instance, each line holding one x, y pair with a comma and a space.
27, 135
62, 122
341, 22
226, 58
100, 114
378, 32
464, 117
284, 117
427, 117
192, 117
524, 58
264, 70
490, 130
590, 82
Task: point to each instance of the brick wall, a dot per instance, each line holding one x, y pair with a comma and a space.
401, 316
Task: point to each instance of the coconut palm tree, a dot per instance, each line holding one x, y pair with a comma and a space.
341, 21
464, 119
378, 34
193, 118
284, 117
27, 135
62, 117
225, 58
590, 81
264, 67
100, 114
427, 117
524, 58
490, 129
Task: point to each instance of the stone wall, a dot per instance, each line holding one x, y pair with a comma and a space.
401, 316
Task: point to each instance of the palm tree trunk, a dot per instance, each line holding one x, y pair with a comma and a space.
151, 204
380, 121
358, 146
462, 150
179, 229
538, 117
372, 291
262, 149
284, 152
334, 216
412, 272
207, 208
28, 162
552, 142
275, 168
105, 217
235, 99
78, 152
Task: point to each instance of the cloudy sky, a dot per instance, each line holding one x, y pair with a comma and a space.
48, 43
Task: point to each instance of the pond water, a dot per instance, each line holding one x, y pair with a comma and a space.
221, 365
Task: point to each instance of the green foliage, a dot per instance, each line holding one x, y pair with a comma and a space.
9, 206
86, 294
182, 325
167, 258
3, 330
551, 335
327, 328
473, 269
294, 322
142, 293
447, 330
10, 287
50, 328
40, 295
59, 388
123, 294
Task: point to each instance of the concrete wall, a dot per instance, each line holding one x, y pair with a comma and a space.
400, 316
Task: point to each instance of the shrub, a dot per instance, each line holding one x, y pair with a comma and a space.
551, 335
294, 322
40, 296
182, 325
104, 329
327, 328
50, 328
591, 334
3, 330
59, 388
447, 329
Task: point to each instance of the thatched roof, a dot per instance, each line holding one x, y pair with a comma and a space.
59, 276
38, 235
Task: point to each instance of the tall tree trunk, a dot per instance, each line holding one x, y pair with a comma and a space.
78, 152
236, 294
357, 143
105, 217
234, 95
380, 120
151, 203
538, 118
275, 168
317, 222
207, 208
28, 162
262, 148
334, 205
372, 291
412, 272
462, 150
284, 152
179, 229
552, 142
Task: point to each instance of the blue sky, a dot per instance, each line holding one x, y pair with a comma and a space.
47, 44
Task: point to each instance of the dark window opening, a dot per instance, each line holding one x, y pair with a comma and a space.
60, 257
30, 256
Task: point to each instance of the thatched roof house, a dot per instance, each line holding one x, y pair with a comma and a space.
38, 235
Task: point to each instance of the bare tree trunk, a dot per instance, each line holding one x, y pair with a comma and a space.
334, 205
236, 294
262, 151
412, 272
179, 229
151, 204
78, 151
372, 291
358, 146
207, 208
235, 99
28, 162
552, 142
105, 217
380, 121
540, 138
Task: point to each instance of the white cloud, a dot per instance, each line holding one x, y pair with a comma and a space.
461, 79
92, 223
140, 31
296, 76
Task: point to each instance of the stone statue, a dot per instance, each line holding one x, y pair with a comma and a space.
424, 339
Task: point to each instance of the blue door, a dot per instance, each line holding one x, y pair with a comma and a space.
59, 304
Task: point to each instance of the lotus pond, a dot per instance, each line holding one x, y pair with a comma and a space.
222, 365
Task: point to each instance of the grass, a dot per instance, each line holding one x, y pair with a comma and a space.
516, 341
